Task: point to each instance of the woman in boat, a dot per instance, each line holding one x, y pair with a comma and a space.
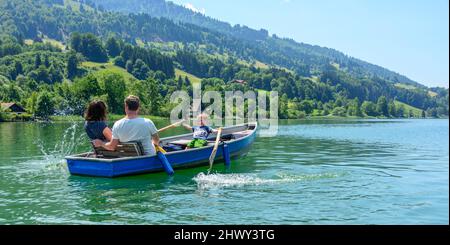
95, 124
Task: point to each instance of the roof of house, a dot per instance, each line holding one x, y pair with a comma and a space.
6, 106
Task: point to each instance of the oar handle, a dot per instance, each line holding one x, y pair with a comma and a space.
171, 126
160, 149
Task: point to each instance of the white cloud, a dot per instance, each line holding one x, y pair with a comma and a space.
191, 7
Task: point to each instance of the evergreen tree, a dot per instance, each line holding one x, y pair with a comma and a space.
90, 46
369, 108
46, 62
140, 70
354, 108
307, 106
72, 65
382, 106
115, 87
400, 111
45, 106
392, 111
154, 95
119, 61
129, 66
18, 67
180, 82
76, 42
37, 61
187, 82
113, 47
32, 102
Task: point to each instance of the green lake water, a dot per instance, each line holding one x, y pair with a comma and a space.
313, 172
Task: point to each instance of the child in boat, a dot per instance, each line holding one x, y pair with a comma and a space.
200, 132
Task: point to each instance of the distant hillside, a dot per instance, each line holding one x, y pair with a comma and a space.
309, 57
74, 52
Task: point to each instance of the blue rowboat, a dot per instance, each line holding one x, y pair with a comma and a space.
236, 142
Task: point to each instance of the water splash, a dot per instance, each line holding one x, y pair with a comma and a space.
52, 157
70, 139
214, 181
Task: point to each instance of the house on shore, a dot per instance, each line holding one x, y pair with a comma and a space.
13, 108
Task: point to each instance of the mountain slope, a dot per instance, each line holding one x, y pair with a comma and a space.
314, 57
154, 50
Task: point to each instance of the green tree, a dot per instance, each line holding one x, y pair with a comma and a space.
283, 107
32, 102
400, 111
41, 74
369, 108
307, 106
76, 41
382, 106
339, 111
18, 68
140, 70
45, 106
392, 110
113, 47
432, 112
179, 82
37, 61
84, 89
119, 61
114, 87
187, 82
354, 108
3, 116
72, 65
154, 93
129, 66
46, 62
90, 46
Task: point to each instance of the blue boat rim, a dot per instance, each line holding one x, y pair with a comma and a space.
82, 156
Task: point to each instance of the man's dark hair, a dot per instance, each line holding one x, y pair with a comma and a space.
132, 102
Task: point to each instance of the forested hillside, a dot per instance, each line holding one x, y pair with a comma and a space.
309, 58
56, 55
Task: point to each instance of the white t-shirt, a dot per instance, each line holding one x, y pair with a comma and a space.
136, 130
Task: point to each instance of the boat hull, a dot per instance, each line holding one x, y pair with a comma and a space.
111, 168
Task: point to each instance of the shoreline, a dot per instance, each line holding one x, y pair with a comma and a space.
114, 117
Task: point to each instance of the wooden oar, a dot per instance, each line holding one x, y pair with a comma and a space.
171, 126
214, 152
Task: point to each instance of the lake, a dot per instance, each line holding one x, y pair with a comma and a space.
313, 172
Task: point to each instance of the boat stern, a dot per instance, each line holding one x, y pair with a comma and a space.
79, 165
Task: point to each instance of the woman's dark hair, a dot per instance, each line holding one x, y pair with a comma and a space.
96, 111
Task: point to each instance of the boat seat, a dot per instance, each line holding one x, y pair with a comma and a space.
131, 149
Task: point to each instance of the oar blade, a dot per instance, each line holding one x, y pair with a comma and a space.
214, 152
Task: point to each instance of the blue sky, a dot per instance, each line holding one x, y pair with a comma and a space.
410, 37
